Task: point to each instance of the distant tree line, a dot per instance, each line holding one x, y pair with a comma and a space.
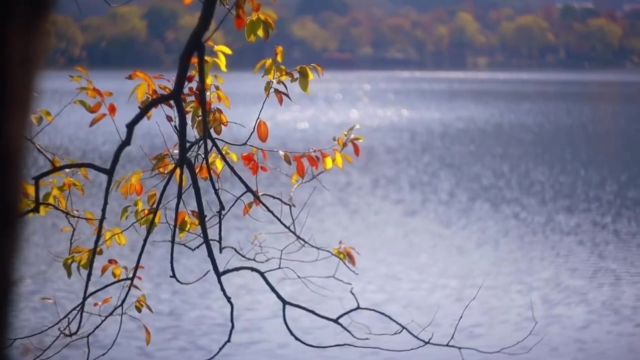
342, 34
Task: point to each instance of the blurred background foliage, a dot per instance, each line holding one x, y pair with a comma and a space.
365, 34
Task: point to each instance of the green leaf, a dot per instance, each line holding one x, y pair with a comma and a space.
304, 83
124, 213
252, 30
84, 104
66, 264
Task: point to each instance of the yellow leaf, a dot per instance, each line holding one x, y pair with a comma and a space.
108, 238
90, 218
141, 92
219, 164
120, 237
222, 64
327, 162
85, 173
280, 54
223, 98
116, 272
230, 154
223, 49
152, 198
260, 65
338, 159
295, 179
147, 331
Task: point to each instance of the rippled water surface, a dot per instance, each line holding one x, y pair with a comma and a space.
528, 183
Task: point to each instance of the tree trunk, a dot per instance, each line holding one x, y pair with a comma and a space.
23, 39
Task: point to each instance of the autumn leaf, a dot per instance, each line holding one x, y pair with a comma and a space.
263, 131
279, 54
338, 159
104, 302
82, 70
305, 76
109, 264
141, 303
241, 15
112, 110
132, 185
301, 170
247, 208
147, 331
327, 161
116, 272
346, 254
97, 119
356, 148
311, 159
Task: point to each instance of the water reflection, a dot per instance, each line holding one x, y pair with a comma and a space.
527, 182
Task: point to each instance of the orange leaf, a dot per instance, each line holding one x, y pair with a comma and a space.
203, 172
263, 131
186, 3
351, 256
96, 107
182, 216
255, 6
247, 208
105, 268
97, 119
81, 69
112, 110
139, 189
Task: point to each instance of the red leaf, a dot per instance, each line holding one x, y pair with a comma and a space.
279, 97
313, 161
241, 16
356, 148
300, 168
112, 110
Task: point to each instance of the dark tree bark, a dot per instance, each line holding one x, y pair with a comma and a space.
22, 27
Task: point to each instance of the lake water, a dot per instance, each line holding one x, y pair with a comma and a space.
526, 182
